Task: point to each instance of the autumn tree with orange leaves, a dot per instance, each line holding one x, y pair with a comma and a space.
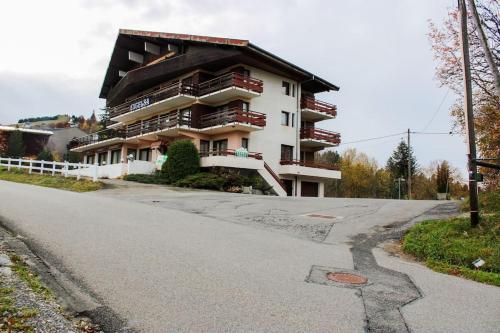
445, 42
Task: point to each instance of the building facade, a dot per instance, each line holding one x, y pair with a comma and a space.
242, 106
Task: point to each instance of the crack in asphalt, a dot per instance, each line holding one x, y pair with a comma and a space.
388, 290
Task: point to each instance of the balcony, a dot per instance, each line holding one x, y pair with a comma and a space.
318, 138
96, 140
169, 124
229, 86
309, 169
166, 125
165, 97
231, 120
314, 110
230, 158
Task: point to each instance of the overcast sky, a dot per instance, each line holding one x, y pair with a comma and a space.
55, 53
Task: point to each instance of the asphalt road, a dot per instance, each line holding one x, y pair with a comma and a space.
184, 261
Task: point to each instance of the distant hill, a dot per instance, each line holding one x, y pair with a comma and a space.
46, 121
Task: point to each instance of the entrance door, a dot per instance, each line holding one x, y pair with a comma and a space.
288, 186
309, 189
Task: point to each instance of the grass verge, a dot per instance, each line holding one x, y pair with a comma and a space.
59, 182
450, 246
31, 279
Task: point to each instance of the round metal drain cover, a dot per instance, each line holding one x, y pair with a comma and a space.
346, 278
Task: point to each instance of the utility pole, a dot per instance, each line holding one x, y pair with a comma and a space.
409, 166
469, 116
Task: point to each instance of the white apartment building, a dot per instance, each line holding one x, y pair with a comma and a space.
224, 95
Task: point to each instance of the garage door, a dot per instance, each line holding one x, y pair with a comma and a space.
309, 189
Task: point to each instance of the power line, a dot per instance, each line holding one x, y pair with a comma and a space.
396, 134
437, 110
371, 139
447, 133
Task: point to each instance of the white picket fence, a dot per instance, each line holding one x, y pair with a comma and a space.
64, 168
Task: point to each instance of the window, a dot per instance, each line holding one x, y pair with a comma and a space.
285, 118
185, 115
220, 145
90, 159
132, 152
285, 88
116, 156
102, 158
204, 147
286, 152
293, 90
246, 72
144, 154
293, 120
244, 143
245, 106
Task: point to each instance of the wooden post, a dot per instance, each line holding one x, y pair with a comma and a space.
8, 164
66, 169
53, 168
469, 116
41, 167
78, 170
95, 173
31, 167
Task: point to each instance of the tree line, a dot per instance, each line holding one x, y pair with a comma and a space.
362, 177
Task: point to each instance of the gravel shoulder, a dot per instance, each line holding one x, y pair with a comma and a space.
27, 305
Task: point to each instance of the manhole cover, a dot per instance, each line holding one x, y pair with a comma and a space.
346, 278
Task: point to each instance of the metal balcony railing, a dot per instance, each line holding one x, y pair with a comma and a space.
228, 152
319, 106
96, 137
150, 97
230, 80
310, 164
233, 115
320, 134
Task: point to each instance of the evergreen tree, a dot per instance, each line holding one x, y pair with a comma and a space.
442, 177
15, 145
397, 164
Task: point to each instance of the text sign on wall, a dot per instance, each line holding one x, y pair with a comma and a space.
139, 105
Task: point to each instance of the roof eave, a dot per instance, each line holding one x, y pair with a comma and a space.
296, 68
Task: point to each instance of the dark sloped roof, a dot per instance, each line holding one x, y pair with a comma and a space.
243, 50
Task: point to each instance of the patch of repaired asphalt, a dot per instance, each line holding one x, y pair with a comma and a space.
386, 291
305, 228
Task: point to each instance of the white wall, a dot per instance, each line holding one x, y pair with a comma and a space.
117, 170
271, 102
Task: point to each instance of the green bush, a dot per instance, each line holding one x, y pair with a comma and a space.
45, 155
202, 180
183, 160
489, 202
157, 178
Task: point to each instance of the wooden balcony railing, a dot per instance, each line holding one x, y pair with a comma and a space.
310, 164
96, 137
323, 107
151, 97
230, 80
233, 115
320, 134
228, 152
160, 122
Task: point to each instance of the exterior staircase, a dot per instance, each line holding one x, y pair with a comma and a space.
273, 180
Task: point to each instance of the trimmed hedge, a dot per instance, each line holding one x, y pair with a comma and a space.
183, 160
148, 179
202, 180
